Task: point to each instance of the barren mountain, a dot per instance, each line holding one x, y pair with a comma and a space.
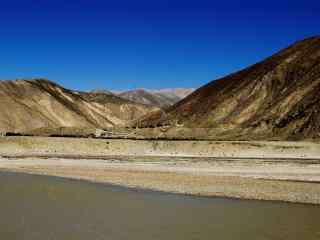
33, 104
162, 98
102, 91
278, 98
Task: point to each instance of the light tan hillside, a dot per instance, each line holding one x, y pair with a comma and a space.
32, 104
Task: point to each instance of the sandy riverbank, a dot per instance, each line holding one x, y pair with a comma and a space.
21, 146
284, 180
286, 171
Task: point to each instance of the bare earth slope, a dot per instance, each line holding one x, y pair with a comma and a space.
162, 98
276, 98
38, 103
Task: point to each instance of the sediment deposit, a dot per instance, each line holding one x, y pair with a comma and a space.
285, 171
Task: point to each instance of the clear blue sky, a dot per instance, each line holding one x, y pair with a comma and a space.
122, 44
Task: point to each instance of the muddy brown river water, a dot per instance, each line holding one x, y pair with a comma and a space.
48, 208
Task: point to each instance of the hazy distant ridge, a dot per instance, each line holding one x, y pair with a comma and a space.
162, 98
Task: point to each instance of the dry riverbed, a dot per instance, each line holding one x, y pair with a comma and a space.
286, 171
292, 180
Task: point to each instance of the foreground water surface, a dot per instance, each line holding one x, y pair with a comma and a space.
39, 207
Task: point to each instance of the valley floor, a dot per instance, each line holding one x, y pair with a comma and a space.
291, 180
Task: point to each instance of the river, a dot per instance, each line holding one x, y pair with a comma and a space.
49, 208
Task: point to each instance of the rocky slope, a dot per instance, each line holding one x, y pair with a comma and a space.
34, 104
278, 98
162, 98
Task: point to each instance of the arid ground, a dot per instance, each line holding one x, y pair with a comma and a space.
285, 171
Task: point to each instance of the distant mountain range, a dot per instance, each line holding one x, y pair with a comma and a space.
278, 98
162, 98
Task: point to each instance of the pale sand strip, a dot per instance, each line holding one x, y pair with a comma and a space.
116, 147
282, 180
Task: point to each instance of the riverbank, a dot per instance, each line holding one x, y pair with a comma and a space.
99, 148
282, 180
284, 171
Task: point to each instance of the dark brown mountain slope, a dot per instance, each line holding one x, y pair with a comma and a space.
276, 98
32, 104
